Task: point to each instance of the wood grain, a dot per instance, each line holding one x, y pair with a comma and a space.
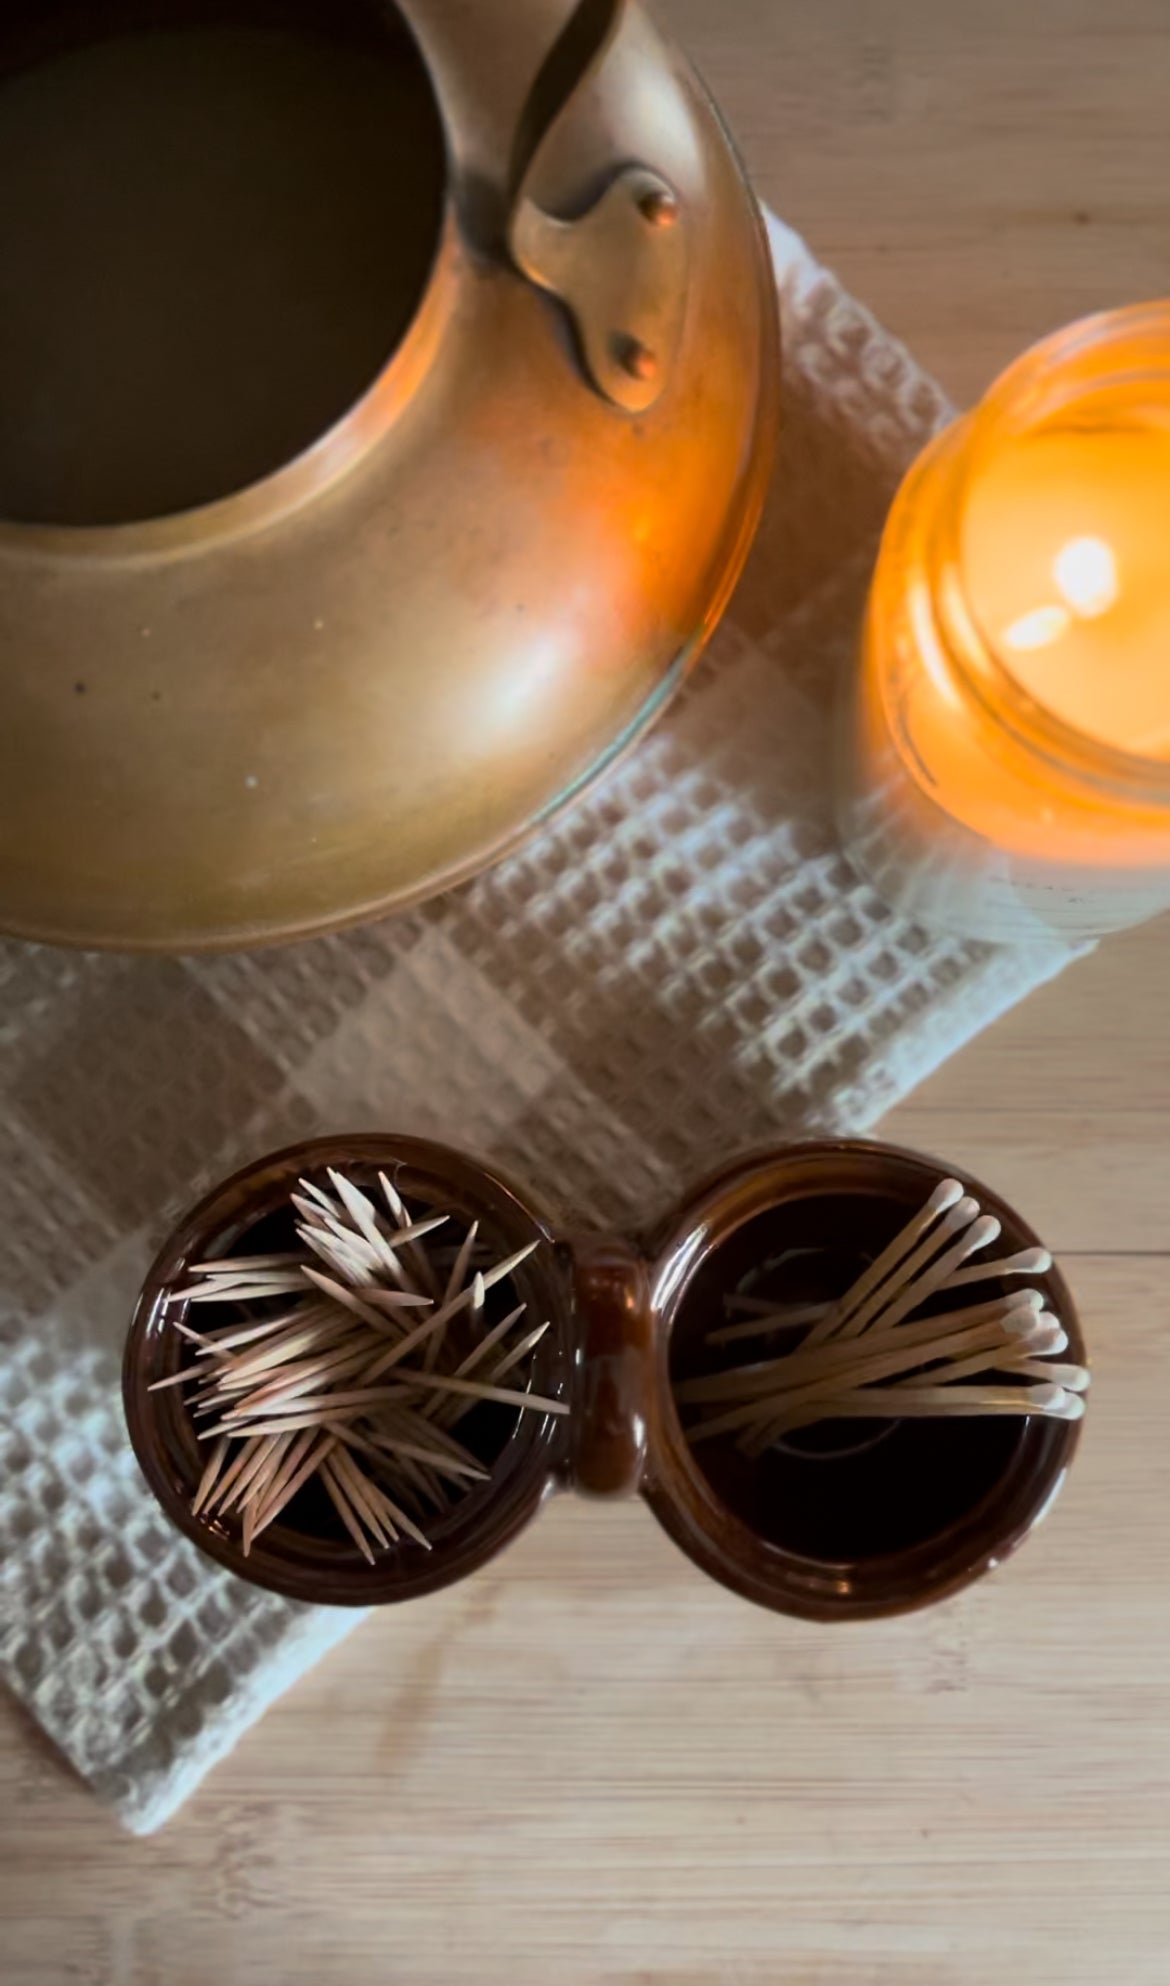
591, 1765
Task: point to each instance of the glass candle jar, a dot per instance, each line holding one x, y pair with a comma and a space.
1006, 746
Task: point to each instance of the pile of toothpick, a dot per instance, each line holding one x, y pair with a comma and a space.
869, 1355
352, 1359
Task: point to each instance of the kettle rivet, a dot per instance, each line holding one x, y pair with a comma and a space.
636, 358
659, 207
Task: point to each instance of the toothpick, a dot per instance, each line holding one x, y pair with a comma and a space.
453, 1287
227, 1338
418, 1256
407, 1524
361, 1494
366, 1311
433, 1457
356, 1264
210, 1473
266, 1473
487, 1344
451, 1412
473, 1390
282, 1494
285, 1391
419, 1336
509, 1266
240, 1290
217, 1264
237, 1478
402, 1420
460, 1264
341, 1504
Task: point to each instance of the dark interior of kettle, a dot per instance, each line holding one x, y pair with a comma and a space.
179, 319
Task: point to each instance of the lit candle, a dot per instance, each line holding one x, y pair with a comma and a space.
1008, 763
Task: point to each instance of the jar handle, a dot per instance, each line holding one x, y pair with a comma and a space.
504, 73
613, 1366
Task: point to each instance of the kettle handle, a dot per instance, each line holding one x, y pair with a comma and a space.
504, 73
584, 38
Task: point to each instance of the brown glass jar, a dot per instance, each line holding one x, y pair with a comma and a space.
884, 1519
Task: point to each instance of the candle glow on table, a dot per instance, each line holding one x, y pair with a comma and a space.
1007, 763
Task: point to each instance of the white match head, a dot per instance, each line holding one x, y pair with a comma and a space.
1029, 1262
981, 1233
1057, 1402
1024, 1300
965, 1209
946, 1194
1071, 1407
1022, 1321
1048, 1399
1046, 1339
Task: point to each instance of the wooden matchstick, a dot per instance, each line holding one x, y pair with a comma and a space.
769, 1319
834, 1357
1014, 1358
1026, 1262
905, 1251
963, 1402
873, 1349
778, 1402
1073, 1378
900, 1296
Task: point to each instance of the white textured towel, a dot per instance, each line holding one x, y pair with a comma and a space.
682, 965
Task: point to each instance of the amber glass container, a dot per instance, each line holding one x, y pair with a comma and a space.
887, 1517
1013, 656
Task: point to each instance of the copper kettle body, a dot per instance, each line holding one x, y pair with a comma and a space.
346, 664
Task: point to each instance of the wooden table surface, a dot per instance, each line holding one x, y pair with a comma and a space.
589, 1764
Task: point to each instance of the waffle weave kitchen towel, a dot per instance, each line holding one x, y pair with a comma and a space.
683, 964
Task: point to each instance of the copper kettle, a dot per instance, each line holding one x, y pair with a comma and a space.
254, 690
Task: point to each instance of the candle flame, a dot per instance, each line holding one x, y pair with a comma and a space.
1085, 572
1039, 629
